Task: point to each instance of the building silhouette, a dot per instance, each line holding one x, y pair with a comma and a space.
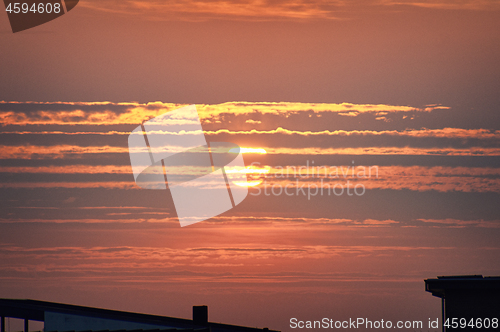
471, 297
58, 317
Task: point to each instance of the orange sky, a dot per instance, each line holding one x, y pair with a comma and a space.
370, 51
409, 88
73, 215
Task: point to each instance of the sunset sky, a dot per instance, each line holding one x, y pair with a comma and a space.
409, 88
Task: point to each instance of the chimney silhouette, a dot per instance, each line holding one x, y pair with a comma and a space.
200, 314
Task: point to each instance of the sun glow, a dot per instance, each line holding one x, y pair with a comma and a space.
247, 183
248, 150
255, 175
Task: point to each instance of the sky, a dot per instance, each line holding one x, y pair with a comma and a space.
395, 99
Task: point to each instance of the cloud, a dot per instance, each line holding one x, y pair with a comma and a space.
378, 222
416, 178
253, 121
81, 113
91, 138
409, 151
417, 133
143, 257
71, 185
447, 4
164, 221
190, 10
107, 113
55, 151
274, 10
69, 169
441, 133
455, 223
287, 108
73, 151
